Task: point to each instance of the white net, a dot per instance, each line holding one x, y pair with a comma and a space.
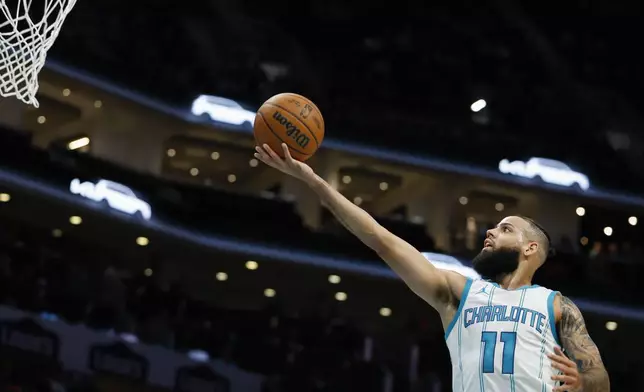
28, 28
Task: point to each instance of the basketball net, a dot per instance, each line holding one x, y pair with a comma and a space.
26, 34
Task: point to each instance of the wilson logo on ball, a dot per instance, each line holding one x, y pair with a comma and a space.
292, 131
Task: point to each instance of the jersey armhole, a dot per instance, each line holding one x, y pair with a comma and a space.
464, 293
551, 316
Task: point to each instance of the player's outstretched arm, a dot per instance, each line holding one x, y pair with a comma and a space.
435, 286
580, 347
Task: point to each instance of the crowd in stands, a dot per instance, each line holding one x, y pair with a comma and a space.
317, 351
614, 265
81, 284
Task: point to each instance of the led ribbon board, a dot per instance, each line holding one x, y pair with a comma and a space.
117, 196
548, 170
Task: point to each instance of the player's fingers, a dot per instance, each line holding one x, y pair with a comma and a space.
260, 151
267, 160
564, 369
563, 355
272, 153
563, 360
266, 149
262, 155
287, 153
565, 379
560, 359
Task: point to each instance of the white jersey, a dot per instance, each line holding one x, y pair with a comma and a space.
499, 339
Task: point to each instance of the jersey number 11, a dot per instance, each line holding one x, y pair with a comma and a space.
488, 340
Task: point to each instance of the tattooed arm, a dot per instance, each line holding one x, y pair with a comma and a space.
580, 347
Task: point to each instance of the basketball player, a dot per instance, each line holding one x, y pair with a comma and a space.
503, 333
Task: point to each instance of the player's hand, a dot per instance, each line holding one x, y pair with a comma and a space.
286, 165
569, 372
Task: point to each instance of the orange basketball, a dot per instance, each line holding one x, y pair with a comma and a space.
291, 119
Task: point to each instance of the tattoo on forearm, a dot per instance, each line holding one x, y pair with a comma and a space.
581, 348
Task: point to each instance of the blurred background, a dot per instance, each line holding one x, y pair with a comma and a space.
142, 248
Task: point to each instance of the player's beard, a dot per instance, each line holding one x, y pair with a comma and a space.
494, 264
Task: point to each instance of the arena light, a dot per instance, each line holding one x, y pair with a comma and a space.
334, 279
78, 143
499, 207
478, 105
142, 241
5, 197
41, 119
583, 241
341, 296
252, 265
632, 221
580, 211
253, 162
608, 231
611, 325
384, 186
357, 200
221, 276
98, 104
463, 200
214, 155
66, 92
128, 337
194, 172
198, 355
57, 233
75, 220
232, 178
148, 272
385, 312
270, 293
171, 152
346, 179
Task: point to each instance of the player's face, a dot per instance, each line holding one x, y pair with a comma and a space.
502, 249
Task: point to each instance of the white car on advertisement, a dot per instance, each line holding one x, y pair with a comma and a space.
223, 110
548, 170
115, 195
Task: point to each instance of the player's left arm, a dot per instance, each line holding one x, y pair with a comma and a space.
580, 348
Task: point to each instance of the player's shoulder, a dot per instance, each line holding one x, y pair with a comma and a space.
458, 284
564, 305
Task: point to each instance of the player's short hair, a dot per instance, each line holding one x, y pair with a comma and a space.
542, 236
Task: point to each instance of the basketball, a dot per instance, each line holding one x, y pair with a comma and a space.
292, 119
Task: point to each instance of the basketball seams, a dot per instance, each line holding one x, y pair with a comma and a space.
317, 143
261, 115
308, 101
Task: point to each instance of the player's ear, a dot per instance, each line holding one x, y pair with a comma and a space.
533, 247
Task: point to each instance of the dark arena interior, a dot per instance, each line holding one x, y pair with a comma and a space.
144, 248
